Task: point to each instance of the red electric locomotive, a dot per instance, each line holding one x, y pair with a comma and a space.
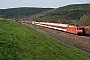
75, 29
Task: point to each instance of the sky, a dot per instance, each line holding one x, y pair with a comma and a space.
4, 4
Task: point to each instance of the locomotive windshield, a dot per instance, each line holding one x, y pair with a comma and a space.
79, 28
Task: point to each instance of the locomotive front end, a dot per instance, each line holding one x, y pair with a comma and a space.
79, 30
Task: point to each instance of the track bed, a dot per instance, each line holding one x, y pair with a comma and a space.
81, 42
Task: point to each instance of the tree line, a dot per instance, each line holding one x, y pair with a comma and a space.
18, 13
78, 14
71, 14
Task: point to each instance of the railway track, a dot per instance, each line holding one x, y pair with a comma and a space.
68, 41
71, 39
88, 38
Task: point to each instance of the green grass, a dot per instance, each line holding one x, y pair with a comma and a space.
20, 42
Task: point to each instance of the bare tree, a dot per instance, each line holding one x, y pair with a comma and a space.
85, 19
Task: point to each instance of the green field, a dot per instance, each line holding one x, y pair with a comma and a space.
20, 42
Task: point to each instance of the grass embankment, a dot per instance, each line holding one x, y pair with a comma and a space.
19, 42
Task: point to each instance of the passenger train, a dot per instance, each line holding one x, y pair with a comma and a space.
62, 27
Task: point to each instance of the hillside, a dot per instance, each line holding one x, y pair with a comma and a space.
36, 17
78, 14
67, 14
19, 42
21, 12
